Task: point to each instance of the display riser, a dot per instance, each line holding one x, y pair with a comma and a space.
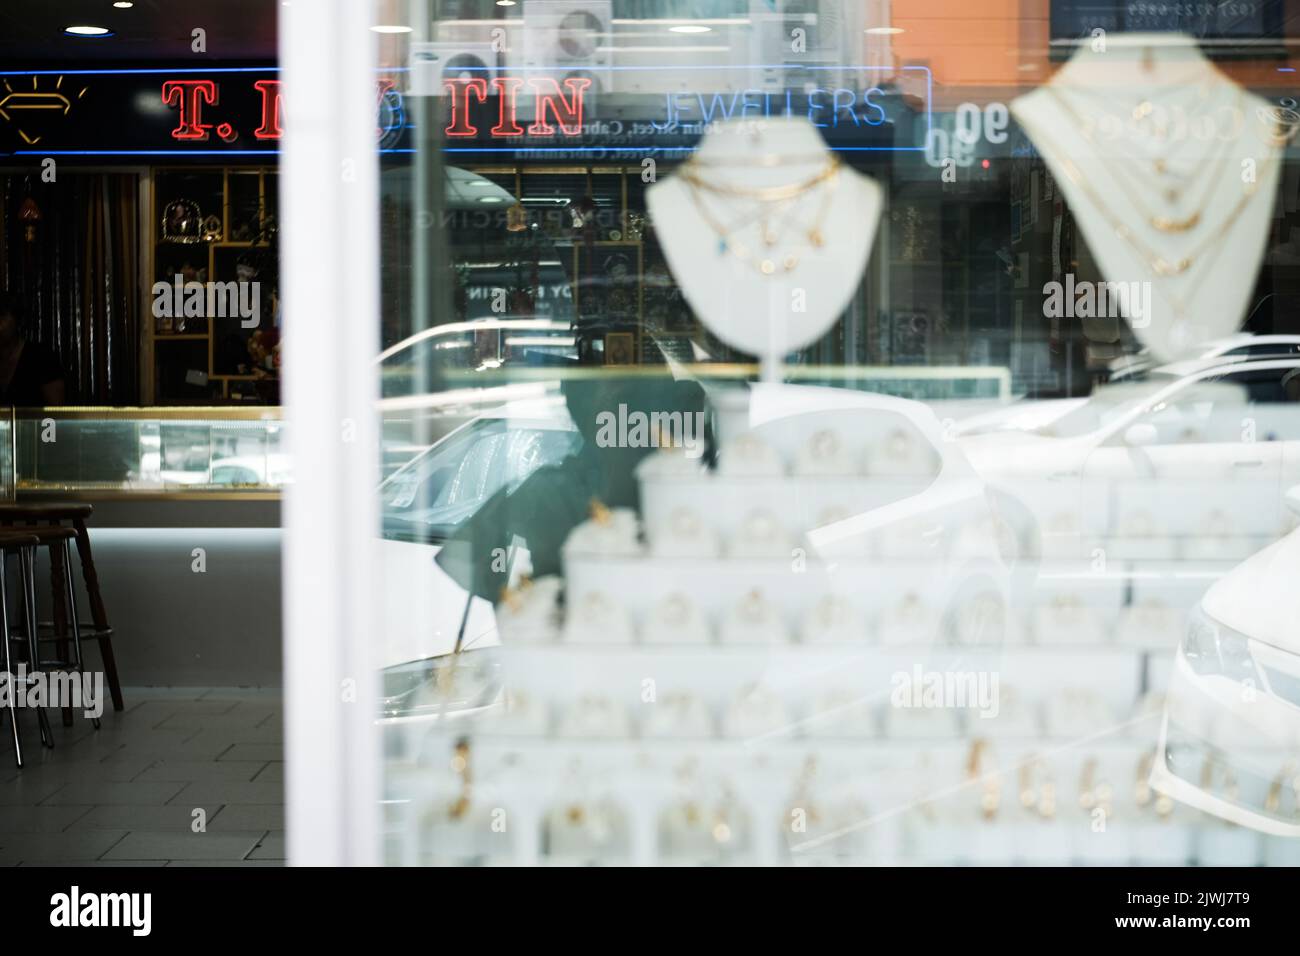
870, 816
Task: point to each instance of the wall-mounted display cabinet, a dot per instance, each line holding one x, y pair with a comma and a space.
213, 226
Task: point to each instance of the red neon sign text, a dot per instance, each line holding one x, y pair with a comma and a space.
272, 101
553, 106
547, 96
567, 114
190, 95
507, 88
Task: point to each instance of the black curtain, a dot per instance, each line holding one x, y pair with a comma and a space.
71, 249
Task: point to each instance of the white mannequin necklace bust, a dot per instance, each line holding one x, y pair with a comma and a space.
766, 234
1169, 168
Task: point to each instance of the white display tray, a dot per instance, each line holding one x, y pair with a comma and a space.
877, 815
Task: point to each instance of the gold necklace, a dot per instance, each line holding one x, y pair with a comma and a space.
765, 160
781, 195
762, 214
1158, 265
1143, 109
769, 204
762, 193
1161, 222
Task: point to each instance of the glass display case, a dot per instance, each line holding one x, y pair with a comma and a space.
142, 451
6, 455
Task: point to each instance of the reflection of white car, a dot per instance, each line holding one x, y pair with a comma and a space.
1032, 414
920, 523
1197, 449
248, 470
1230, 743
1241, 347
428, 379
1024, 415
920, 519
272, 470
426, 613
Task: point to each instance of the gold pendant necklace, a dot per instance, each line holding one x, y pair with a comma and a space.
1156, 263
760, 193
771, 200
1158, 221
1139, 113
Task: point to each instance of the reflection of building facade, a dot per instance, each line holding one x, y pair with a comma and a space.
975, 226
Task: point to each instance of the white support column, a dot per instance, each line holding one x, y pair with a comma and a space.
329, 268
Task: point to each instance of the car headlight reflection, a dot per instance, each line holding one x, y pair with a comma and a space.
1212, 649
447, 686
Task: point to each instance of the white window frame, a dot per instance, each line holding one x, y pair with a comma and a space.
330, 273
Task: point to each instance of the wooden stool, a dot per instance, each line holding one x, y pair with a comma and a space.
28, 517
24, 545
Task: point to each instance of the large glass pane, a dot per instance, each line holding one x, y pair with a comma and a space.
828, 432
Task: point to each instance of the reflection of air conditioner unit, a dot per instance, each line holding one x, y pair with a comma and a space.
432, 63
791, 50
564, 38
878, 48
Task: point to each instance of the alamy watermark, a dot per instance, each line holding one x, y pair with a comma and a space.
974, 690
638, 429
179, 299
81, 691
1098, 300
76, 909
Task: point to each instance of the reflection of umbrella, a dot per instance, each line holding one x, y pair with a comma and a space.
556, 498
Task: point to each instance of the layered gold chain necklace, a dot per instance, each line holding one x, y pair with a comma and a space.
772, 212
1146, 114
1161, 222
1158, 265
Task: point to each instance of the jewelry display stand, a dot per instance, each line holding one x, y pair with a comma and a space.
767, 234
1170, 169
741, 676
708, 725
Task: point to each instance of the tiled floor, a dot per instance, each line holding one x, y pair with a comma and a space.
188, 777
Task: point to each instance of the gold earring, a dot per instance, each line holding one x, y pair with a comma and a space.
1041, 798
460, 766
1091, 793
990, 783
1273, 802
